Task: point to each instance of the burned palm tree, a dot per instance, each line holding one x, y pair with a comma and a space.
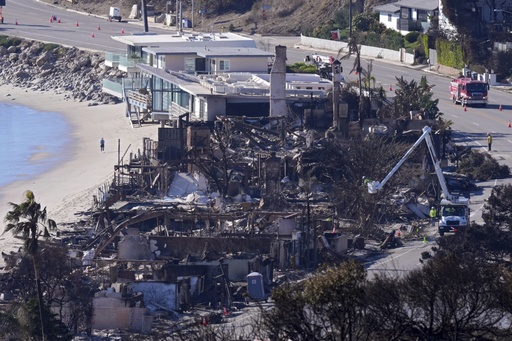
355, 49
29, 221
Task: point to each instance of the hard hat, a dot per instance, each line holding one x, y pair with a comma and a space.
432, 208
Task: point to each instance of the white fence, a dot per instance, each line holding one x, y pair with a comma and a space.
367, 51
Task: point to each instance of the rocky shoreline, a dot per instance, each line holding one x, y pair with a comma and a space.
74, 73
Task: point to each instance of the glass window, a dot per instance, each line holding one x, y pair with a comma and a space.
157, 101
185, 100
224, 65
161, 62
166, 104
389, 17
157, 83
190, 64
202, 110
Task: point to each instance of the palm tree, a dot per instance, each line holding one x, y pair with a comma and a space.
28, 221
355, 49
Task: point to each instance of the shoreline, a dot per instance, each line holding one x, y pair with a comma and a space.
68, 186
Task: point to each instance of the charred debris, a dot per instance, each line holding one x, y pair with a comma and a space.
238, 196
215, 215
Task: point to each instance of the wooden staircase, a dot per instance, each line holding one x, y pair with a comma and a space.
138, 106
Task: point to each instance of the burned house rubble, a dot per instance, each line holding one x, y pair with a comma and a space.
213, 216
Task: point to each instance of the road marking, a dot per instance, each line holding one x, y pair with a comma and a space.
509, 141
393, 258
481, 206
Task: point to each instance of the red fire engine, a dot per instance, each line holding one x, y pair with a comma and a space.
468, 91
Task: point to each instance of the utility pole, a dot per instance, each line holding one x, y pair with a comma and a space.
145, 16
180, 18
349, 19
193, 15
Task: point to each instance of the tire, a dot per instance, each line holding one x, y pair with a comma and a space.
441, 233
484, 105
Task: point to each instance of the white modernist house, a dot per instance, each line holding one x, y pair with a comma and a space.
208, 76
408, 15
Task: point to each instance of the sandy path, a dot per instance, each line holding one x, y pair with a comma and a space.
69, 186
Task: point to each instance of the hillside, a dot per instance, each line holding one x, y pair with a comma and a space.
277, 17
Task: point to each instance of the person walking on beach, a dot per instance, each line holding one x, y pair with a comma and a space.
489, 141
102, 145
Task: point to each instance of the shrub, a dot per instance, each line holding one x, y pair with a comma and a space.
50, 47
482, 166
301, 68
363, 22
6, 41
412, 37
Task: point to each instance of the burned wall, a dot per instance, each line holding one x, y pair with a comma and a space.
180, 247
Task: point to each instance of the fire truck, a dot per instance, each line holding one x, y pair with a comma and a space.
468, 91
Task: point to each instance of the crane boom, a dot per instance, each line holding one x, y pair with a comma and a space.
454, 210
375, 186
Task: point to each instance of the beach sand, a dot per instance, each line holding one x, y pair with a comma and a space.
69, 186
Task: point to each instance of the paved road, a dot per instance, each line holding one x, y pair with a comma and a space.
33, 18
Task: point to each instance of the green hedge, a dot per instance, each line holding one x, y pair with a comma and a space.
450, 53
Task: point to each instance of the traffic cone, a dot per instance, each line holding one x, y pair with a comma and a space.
225, 311
99, 28
424, 239
16, 23
390, 87
398, 234
77, 24
509, 125
501, 109
204, 321
92, 35
58, 21
122, 31
465, 109
51, 19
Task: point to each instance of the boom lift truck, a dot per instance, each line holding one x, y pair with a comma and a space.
454, 210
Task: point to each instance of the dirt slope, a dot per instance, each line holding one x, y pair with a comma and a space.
281, 17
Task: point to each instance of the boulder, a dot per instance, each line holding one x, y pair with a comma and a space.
22, 75
47, 66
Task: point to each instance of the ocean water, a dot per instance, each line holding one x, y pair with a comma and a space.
31, 142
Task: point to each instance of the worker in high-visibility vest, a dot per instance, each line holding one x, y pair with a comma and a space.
433, 215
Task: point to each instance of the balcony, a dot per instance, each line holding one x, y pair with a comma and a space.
122, 61
112, 87
112, 59
116, 87
412, 25
128, 64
